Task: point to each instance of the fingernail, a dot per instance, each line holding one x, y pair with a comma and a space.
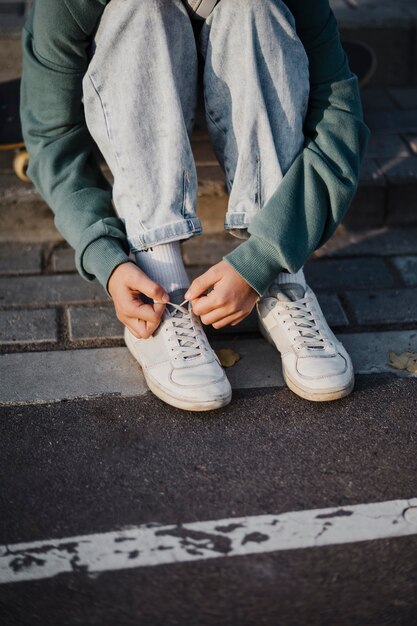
165, 298
187, 296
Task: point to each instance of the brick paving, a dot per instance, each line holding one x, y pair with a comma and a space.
365, 277
364, 280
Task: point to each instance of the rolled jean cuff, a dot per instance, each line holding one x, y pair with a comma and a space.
239, 219
182, 229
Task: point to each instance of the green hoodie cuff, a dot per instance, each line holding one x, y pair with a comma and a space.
257, 261
102, 256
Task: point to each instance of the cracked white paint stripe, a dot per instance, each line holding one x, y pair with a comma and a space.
154, 544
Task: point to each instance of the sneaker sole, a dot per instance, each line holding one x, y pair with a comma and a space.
178, 403
321, 395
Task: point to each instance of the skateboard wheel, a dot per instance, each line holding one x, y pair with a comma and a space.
20, 165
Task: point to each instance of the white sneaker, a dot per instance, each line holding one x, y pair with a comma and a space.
179, 364
315, 364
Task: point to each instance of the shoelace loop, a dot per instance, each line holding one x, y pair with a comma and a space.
187, 343
309, 333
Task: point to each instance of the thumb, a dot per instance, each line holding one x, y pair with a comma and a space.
201, 284
151, 289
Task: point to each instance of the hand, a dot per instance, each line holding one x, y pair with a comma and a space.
229, 302
125, 285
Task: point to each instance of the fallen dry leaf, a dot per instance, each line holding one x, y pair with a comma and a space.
227, 356
405, 361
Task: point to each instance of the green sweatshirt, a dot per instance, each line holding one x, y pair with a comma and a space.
301, 215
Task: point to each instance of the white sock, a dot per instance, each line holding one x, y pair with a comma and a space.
163, 264
284, 278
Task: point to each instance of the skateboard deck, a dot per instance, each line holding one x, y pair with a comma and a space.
10, 127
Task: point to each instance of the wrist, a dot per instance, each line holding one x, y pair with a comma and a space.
115, 274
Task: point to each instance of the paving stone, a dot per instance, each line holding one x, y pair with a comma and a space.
196, 270
407, 266
208, 249
401, 205
10, 48
203, 153
383, 241
94, 322
37, 377
34, 290
395, 121
33, 326
393, 44
332, 309
399, 171
411, 140
215, 177
340, 274
387, 145
367, 209
63, 260
247, 326
259, 365
27, 221
384, 306
388, 27
401, 175
376, 12
40, 377
370, 351
377, 99
13, 190
371, 173
20, 258
405, 98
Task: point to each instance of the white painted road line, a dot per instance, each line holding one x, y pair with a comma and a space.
155, 544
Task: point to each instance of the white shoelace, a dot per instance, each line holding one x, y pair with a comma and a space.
303, 321
186, 341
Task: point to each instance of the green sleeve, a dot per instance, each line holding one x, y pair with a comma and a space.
316, 191
62, 162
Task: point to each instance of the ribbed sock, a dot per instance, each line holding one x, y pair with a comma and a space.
164, 265
284, 278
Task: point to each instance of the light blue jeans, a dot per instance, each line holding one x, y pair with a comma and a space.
140, 95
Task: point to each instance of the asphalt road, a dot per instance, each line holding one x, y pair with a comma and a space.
75, 468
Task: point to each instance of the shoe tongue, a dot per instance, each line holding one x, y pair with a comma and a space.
287, 292
177, 296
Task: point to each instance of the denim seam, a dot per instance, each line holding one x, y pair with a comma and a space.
110, 136
184, 192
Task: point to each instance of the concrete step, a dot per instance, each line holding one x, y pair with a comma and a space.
389, 28
45, 304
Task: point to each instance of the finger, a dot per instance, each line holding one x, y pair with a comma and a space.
217, 314
201, 284
204, 305
231, 319
137, 328
141, 329
151, 289
240, 319
142, 311
211, 302
159, 309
